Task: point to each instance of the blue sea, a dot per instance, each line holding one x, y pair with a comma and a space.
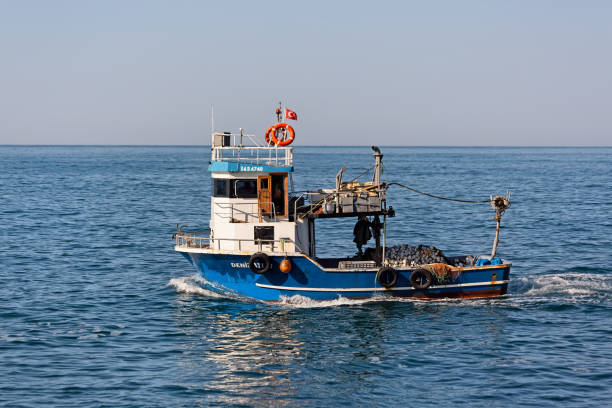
96, 309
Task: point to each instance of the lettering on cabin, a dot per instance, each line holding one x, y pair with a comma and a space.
244, 167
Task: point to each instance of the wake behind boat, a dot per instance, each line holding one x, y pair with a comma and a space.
262, 238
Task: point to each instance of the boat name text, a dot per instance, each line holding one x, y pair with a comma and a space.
250, 168
239, 264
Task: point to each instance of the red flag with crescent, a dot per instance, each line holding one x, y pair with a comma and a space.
289, 114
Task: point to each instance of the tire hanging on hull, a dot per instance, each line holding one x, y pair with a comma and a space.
259, 263
387, 277
421, 279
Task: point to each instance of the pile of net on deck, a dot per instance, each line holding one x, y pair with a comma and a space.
427, 257
408, 255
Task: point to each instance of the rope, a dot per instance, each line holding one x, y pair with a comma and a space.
312, 208
365, 172
439, 197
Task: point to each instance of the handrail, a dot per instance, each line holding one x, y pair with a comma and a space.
190, 240
240, 211
276, 155
242, 135
312, 206
295, 206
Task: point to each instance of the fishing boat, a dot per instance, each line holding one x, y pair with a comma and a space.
262, 243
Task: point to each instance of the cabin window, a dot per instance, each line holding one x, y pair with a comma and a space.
244, 188
265, 234
220, 188
233, 188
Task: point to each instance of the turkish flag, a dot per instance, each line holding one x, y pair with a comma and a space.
289, 114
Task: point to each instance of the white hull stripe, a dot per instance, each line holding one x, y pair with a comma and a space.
334, 270
459, 285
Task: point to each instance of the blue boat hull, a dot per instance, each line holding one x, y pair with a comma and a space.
230, 274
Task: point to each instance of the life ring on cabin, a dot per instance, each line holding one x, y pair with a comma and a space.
286, 140
259, 263
421, 279
386, 276
267, 135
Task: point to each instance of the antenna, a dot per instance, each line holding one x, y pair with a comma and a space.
279, 113
212, 124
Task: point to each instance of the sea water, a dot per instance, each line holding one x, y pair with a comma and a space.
97, 310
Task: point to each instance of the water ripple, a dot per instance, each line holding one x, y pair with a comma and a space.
96, 308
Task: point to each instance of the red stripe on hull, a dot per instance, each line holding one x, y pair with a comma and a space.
429, 296
461, 295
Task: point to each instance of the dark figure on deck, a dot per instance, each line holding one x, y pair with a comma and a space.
362, 233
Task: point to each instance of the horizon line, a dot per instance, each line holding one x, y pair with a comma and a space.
360, 145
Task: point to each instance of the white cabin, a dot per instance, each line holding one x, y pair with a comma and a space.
251, 208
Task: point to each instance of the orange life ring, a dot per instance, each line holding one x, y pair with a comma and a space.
285, 141
267, 135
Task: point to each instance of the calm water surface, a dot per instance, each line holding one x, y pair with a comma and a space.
97, 310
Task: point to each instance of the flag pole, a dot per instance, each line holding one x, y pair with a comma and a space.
212, 124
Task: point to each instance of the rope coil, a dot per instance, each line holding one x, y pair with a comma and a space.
500, 204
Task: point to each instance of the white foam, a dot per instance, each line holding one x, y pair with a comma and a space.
303, 302
192, 285
568, 286
582, 283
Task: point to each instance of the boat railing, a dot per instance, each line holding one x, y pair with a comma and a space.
258, 155
311, 201
192, 239
203, 240
234, 211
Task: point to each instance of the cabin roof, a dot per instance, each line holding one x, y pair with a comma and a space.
259, 159
246, 167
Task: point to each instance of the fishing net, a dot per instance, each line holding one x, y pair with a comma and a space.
408, 255
430, 258
443, 273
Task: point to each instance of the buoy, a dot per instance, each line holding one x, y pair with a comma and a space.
285, 266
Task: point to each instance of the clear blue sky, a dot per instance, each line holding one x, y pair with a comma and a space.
392, 73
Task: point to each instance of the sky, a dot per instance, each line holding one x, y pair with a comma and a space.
410, 73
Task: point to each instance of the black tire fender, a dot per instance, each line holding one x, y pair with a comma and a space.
386, 276
261, 259
421, 279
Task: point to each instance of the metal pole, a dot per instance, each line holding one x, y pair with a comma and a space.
384, 238
496, 240
378, 158
212, 124
500, 204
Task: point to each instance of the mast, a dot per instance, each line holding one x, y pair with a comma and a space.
377, 166
376, 225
